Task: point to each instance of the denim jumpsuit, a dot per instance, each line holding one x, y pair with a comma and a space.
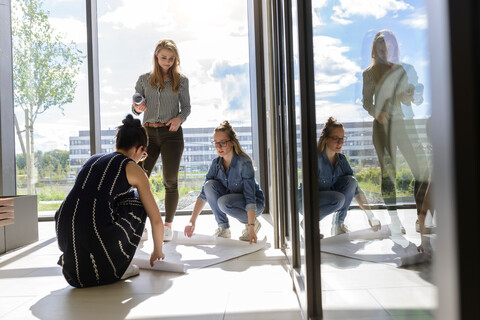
232, 192
337, 186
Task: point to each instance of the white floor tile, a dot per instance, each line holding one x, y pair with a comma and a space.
344, 304
407, 301
254, 286
260, 304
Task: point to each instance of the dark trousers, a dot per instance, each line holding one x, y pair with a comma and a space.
169, 146
386, 139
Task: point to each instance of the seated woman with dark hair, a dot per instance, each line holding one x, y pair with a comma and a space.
337, 185
101, 221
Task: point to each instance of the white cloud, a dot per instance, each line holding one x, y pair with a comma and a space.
417, 20
333, 70
341, 21
376, 8
108, 89
202, 17
136, 14
73, 29
192, 17
47, 136
206, 32
317, 6
343, 112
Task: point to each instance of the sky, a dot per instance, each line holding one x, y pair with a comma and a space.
212, 37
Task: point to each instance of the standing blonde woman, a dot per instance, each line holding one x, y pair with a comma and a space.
165, 108
230, 188
386, 87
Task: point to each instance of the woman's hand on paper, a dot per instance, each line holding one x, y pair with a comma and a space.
189, 229
375, 224
156, 255
253, 236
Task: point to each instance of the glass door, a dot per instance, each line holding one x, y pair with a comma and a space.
293, 70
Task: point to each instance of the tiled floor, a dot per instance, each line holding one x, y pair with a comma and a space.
255, 286
354, 289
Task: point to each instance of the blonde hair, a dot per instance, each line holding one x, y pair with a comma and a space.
380, 69
386, 36
331, 124
226, 128
156, 77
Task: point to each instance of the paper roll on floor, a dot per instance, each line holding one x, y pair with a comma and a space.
143, 262
184, 254
379, 246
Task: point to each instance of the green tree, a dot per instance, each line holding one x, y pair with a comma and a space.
52, 162
44, 70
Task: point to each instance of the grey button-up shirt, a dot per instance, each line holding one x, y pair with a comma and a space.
163, 105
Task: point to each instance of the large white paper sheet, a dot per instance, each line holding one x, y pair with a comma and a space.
381, 246
184, 254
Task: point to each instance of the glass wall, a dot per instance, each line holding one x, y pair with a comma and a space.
373, 108
51, 95
380, 94
212, 39
51, 84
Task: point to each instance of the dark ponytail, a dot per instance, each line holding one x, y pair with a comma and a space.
131, 134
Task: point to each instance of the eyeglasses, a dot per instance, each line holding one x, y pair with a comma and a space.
337, 140
220, 144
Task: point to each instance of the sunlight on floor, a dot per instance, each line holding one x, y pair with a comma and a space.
253, 286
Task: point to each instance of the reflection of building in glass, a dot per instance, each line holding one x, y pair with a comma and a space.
199, 152
197, 155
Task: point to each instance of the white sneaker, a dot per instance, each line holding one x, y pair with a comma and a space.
167, 234
246, 235
131, 271
339, 229
222, 233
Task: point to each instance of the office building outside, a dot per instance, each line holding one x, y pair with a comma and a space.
199, 151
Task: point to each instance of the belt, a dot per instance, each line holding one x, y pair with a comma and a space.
155, 124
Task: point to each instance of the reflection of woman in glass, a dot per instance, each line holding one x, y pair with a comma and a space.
337, 185
166, 106
230, 188
385, 89
100, 223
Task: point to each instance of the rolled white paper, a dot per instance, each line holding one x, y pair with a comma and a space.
143, 262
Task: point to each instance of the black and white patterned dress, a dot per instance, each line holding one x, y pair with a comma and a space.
100, 223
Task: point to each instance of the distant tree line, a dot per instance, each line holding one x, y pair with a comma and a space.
50, 165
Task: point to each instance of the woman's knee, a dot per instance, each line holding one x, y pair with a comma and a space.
224, 203
350, 181
211, 185
346, 184
338, 201
170, 185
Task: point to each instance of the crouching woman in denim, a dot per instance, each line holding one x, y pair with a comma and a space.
230, 188
337, 185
